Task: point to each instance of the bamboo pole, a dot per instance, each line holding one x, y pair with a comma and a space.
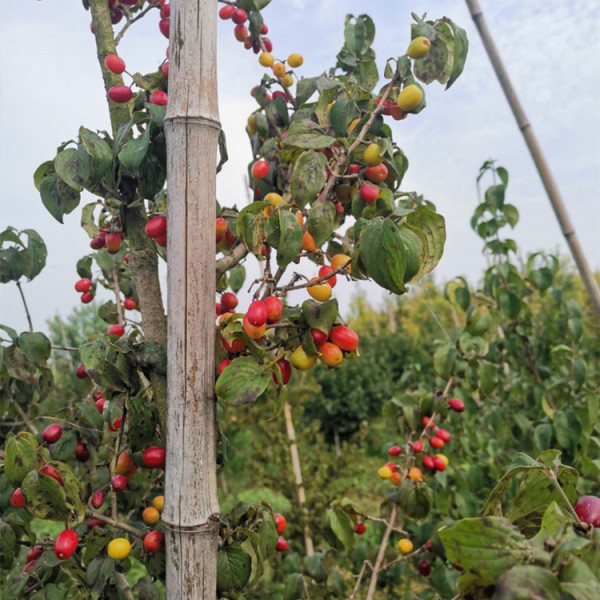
192, 514
560, 210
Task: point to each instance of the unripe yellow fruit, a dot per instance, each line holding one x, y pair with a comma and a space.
385, 472
252, 128
295, 60
150, 515
409, 97
419, 47
119, 548
321, 291
159, 503
339, 260
274, 199
372, 155
353, 124
266, 59
443, 458
279, 69
301, 360
405, 545
415, 474
287, 80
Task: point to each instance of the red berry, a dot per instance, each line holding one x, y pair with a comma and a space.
417, 446
456, 404
154, 541
260, 169
280, 94
353, 169
344, 338
66, 544
83, 285
268, 45
120, 94
156, 226
116, 14
428, 462
394, 450
129, 304
34, 553
222, 366
165, 11
369, 193
286, 371
97, 499
424, 568
116, 424
82, 452
161, 240
113, 242
117, 330
360, 528
236, 345
128, 2
226, 12
80, 371
99, 404
228, 302
114, 64
436, 442
239, 16
50, 471
87, 298
118, 483
163, 25
425, 421
281, 545
257, 313
17, 499
588, 510
264, 29
165, 69
438, 464
392, 466
443, 435
52, 433
376, 173
97, 243
274, 308
280, 522
91, 523
154, 457
159, 97
326, 270
318, 337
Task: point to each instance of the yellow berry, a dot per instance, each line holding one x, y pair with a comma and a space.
287, 80
278, 69
274, 199
266, 59
158, 503
301, 360
415, 474
119, 548
150, 515
295, 60
409, 97
443, 458
405, 545
419, 47
385, 472
372, 155
321, 291
353, 124
339, 260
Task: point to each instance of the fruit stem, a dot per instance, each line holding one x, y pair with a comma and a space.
26, 307
552, 476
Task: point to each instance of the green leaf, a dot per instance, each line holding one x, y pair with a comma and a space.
432, 66
102, 362
237, 276
8, 545
58, 198
45, 169
223, 154
512, 214
35, 347
306, 134
73, 167
34, 256
433, 229
320, 315
290, 238
87, 220
567, 429
367, 75
444, 359
45, 497
509, 303
134, 151
108, 312
294, 587
321, 221
305, 88
382, 252
99, 151
242, 382
485, 547
415, 502
84, 267
461, 48
234, 567
308, 178
20, 457
525, 582
542, 436
341, 525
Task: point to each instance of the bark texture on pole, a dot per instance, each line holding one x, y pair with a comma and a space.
560, 210
191, 514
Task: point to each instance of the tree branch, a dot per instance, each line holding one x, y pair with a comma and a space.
25, 305
116, 523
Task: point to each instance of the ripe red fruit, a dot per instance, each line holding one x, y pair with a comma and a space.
392, 466
280, 94
222, 366
260, 169
118, 483
268, 46
97, 243
456, 404
34, 553
130, 304
159, 97
280, 522
82, 452
354, 169
113, 242
87, 298
80, 371
394, 450
319, 338
240, 32
226, 12
128, 2
436, 442
83, 285
117, 330
376, 173
417, 446
116, 424
50, 471
443, 435
236, 345
325, 270
360, 528
154, 457
52, 433
281, 545
588, 510
438, 464
165, 11
91, 523
156, 226
99, 404
344, 337
66, 544
428, 462
154, 541
116, 14
264, 29
228, 302
239, 16
17, 499
274, 308
369, 193
161, 240
286, 371
165, 69
163, 25
98, 499
257, 313
114, 64
424, 567
120, 94
425, 421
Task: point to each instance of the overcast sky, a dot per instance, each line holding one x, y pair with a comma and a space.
50, 85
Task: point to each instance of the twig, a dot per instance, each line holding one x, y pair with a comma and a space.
123, 585
552, 476
117, 290
116, 523
381, 553
230, 260
130, 22
25, 418
365, 564
25, 305
65, 348
316, 281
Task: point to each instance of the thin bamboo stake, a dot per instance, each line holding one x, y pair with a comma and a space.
192, 514
539, 159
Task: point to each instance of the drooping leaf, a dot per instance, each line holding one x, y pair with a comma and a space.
320, 221
308, 178
35, 347
234, 567
320, 315
242, 382
290, 238
20, 456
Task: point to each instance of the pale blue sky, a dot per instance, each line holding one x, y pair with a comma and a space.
50, 85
